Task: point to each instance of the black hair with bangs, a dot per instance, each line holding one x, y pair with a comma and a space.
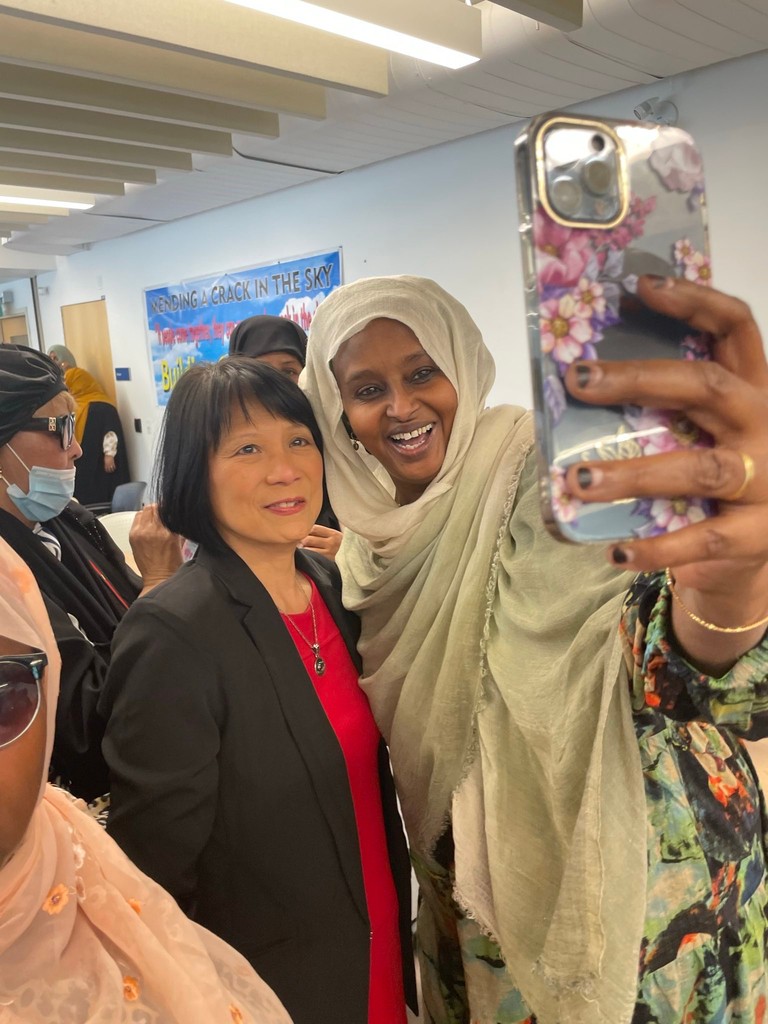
197, 417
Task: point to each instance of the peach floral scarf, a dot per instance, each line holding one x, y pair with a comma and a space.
84, 935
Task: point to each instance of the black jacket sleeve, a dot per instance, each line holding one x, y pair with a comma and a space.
161, 745
77, 761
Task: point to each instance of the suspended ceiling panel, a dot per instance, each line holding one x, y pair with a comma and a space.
54, 144
31, 42
527, 68
220, 31
85, 168
77, 91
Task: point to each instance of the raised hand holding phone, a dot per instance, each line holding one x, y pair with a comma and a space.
720, 565
718, 560
603, 202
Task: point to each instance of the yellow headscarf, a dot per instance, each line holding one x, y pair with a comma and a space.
85, 389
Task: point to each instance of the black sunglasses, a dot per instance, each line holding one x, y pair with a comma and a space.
20, 677
64, 426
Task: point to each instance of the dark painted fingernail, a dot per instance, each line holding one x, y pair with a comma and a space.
620, 556
660, 282
584, 477
583, 374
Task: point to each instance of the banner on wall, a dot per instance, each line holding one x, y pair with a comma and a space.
192, 321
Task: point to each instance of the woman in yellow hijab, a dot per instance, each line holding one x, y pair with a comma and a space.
103, 464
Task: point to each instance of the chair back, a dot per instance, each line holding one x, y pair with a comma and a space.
128, 497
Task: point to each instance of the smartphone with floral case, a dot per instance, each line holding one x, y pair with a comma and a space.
601, 202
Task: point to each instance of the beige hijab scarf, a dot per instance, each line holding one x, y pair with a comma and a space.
493, 665
84, 936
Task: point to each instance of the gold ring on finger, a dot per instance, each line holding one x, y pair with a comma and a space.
749, 476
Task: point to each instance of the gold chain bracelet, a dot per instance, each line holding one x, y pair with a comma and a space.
703, 622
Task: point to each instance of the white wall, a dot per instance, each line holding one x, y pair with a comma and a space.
446, 213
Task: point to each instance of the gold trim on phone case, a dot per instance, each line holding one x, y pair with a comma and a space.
541, 170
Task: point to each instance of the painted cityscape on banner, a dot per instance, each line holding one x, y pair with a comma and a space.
191, 321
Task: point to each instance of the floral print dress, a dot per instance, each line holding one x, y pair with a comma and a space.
704, 954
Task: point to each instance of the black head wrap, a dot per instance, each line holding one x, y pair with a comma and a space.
28, 379
260, 335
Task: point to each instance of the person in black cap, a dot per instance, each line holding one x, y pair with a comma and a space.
272, 339
283, 344
86, 585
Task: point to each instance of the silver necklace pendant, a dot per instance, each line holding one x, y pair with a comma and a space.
319, 662
320, 665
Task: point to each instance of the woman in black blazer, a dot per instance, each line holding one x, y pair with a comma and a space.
245, 776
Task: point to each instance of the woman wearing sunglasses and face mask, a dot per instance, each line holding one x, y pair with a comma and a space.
86, 584
84, 936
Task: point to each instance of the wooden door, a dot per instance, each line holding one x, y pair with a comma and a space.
14, 330
86, 335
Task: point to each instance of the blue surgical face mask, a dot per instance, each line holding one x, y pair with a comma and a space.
50, 491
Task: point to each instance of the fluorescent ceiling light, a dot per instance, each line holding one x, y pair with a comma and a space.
54, 204
52, 200
379, 32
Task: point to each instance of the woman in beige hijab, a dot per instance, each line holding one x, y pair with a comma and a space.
84, 936
584, 822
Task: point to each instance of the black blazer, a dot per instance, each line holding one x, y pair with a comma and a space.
71, 587
230, 789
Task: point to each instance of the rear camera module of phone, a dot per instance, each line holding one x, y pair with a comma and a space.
598, 176
565, 195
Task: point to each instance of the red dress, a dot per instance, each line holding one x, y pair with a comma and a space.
350, 717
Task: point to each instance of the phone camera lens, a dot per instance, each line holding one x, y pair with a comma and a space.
597, 176
565, 195
598, 143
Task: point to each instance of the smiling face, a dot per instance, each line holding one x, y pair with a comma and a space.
266, 482
286, 363
399, 403
21, 769
36, 448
